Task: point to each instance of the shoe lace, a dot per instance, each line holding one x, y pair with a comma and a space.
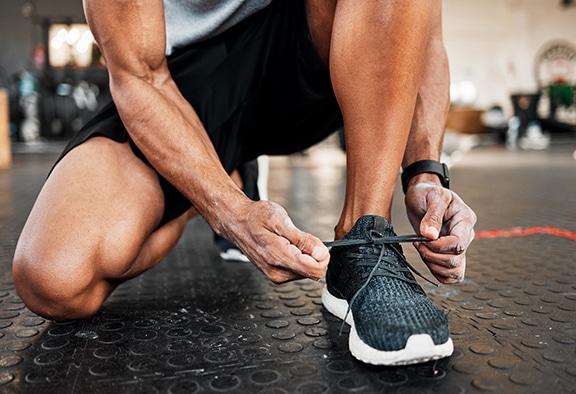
375, 260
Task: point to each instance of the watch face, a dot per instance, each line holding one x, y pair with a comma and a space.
556, 65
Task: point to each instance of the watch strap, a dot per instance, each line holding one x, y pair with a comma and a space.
425, 166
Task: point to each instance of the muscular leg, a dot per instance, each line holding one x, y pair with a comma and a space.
376, 64
91, 228
376, 56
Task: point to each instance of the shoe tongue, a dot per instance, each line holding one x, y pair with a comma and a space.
381, 225
366, 225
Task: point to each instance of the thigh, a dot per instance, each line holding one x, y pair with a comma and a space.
94, 213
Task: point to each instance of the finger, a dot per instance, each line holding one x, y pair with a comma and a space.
276, 263
310, 246
284, 258
306, 265
280, 275
306, 243
448, 275
437, 204
446, 245
439, 255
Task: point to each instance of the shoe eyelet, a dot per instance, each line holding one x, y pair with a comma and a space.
375, 234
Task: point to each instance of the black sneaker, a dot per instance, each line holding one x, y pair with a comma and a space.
370, 286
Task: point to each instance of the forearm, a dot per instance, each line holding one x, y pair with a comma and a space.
169, 133
159, 120
433, 101
432, 105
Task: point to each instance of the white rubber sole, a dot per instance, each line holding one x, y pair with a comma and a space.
419, 348
234, 255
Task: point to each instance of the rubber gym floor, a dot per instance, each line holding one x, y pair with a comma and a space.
198, 324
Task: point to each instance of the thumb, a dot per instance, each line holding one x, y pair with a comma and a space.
312, 246
431, 223
307, 243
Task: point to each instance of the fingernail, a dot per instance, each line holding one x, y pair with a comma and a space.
319, 253
432, 231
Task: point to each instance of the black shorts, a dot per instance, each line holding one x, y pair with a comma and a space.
259, 88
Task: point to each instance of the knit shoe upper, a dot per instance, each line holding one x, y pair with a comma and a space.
369, 284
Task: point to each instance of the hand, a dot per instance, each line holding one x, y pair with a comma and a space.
267, 236
442, 216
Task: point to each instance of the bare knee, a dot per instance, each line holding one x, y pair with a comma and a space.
54, 293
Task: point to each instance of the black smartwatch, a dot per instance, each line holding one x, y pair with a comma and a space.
426, 166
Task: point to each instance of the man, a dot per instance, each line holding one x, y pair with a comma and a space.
245, 78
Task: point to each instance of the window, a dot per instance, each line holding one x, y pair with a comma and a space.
70, 45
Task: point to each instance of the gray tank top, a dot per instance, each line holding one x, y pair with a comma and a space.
191, 21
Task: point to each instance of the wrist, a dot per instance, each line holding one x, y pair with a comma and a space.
425, 171
219, 199
424, 178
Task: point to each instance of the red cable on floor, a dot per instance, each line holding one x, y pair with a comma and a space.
521, 232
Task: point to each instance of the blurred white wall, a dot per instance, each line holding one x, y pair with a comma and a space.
495, 43
492, 43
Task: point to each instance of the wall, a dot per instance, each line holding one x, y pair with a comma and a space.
20, 34
494, 43
490, 42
